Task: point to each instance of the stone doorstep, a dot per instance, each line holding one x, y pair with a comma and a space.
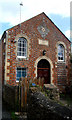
54, 91
50, 86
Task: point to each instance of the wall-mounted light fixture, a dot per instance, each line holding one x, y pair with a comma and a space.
66, 66
13, 41
44, 52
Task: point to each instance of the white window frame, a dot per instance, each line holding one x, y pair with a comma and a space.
62, 51
21, 73
22, 44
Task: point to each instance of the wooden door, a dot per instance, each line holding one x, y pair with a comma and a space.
44, 73
43, 70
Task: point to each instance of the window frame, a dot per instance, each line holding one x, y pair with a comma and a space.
63, 52
23, 46
21, 73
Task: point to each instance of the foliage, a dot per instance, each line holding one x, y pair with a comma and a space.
13, 116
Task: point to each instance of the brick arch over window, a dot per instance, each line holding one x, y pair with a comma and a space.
51, 66
28, 43
65, 50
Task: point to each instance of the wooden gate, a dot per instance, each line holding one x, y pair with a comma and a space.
23, 89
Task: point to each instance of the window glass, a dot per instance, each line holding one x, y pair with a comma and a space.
60, 52
21, 72
22, 47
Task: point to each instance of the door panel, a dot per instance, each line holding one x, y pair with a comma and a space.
43, 70
45, 74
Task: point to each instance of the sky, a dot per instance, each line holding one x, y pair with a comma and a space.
57, 10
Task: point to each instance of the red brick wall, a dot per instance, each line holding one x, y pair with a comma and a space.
30, 29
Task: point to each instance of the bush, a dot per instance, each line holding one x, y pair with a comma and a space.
13, 116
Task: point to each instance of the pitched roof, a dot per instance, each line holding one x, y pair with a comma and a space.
35, 18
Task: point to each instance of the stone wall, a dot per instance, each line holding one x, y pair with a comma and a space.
9, 95
41, 108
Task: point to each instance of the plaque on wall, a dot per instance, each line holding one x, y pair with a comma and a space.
43, 42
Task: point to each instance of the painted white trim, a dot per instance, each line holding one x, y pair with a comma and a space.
21, 57
17, 81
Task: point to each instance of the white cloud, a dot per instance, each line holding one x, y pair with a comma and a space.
10, 9
0, 36
67, 33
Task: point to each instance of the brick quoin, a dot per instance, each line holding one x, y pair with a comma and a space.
41, 34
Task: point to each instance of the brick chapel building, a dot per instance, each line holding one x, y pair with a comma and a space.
35, 48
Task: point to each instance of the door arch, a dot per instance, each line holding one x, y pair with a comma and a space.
43, 70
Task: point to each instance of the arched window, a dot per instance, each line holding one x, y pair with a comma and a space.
61, 52
22, 48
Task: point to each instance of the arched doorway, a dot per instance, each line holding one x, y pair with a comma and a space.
43, 70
